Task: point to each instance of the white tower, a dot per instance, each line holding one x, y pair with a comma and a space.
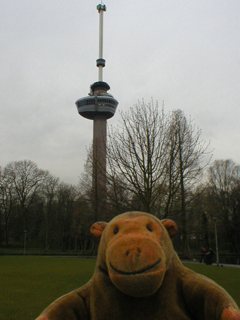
99, 106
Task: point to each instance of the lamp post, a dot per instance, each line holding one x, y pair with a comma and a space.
216, 240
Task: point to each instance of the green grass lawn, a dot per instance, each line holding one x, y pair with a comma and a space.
29, 284
227, 277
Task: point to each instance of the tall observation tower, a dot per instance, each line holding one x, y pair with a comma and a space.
99, 106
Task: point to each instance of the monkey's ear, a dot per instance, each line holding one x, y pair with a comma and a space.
97, 228
171, 227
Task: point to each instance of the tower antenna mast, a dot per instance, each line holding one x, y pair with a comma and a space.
100, 61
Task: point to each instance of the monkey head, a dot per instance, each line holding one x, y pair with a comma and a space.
135, 250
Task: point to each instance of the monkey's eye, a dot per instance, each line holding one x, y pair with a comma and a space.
115, 231
149, 228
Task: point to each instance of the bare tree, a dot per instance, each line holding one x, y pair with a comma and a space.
81, 223
66, 196
157, 158
187, 151
26, 179
136, 154
49, 191
7, 200
224, 186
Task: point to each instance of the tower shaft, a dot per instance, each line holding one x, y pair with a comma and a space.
99, 164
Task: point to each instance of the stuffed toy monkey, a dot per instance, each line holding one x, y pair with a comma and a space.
138, 276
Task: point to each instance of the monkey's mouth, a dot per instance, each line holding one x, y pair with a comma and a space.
136, 272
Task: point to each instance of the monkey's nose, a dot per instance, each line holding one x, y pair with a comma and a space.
133, 251
133, 256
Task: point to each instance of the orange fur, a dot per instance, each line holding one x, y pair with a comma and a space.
230, 314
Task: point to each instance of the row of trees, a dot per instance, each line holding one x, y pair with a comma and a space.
157, 163
35, 204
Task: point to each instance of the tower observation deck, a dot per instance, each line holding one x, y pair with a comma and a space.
99, 102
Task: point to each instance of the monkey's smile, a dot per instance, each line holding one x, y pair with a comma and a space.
136, 272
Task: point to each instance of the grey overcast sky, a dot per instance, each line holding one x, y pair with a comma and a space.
186, 53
